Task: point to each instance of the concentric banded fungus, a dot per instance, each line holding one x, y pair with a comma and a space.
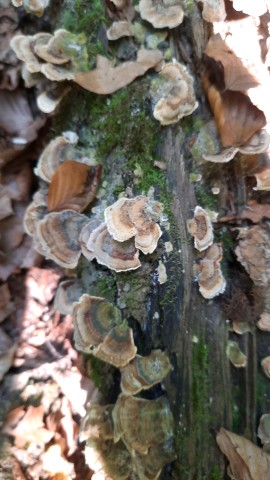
210, 278
200, 227
144, 372
118, 346
148, 467
97, 423
118, 30
68, 292
264, 428
58, 235
114, 255
173, 95
93, 319
36, 7
73, 186
213, 10
135, 217
162, 13
266, 366
56, 152
142, 424
23, 47
50, 50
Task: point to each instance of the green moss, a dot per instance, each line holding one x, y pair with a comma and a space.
82, 16
105, 287
215, 474
205, 199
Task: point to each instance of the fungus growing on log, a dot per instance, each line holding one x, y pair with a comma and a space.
173, 94
118, 256
106, 78
36, 7
118, 30
142, 424
144, 372
234, 354
100, 330
56, 152
68, 292
265, 363
162, 13
264, 429
97, 423
213, 10
200, 227
135, 217
58, 235
210, 278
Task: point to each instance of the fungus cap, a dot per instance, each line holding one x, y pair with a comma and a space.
213, 10
200, 227
174, 97
118, 30
118, 346
23, 47
144, 372
56, 152
162, 13
265, 363
114, 255
264, 428
68, 292
93, 318
210, 277
58, 235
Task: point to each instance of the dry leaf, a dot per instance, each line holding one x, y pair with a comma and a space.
106, 78
73, 186
226, 69
54, 463
247, 461
236, 117
30, 428
255, 211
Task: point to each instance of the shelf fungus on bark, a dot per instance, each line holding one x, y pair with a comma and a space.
36, 7
264, 430
68, 292
213, 10
142, 424
57, 151
97, 243
73, 186
247, 461
119, 29
58, 235
100, 330
210, 277
97, 423
143, 373
106, 78
162, 13
234, 354
135, 217
200, 227
173, 94
35, 211
265, 363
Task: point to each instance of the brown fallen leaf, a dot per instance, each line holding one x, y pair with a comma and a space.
30, 428
247, 461
236, 117
54, 463
73, 186
6, 305
226, 69
106, 78
255, 211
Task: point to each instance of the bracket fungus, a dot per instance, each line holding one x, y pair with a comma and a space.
36, 7
135, 217
97, 423
97, 243
213, 10
56, 152
264, 429
200, 227
210, 278
68, 292
106, 78
173, 94
162, 13
234, 354
141, 423
58, 236
100, 330
144, 372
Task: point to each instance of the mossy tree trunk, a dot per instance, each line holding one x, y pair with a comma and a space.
204, 391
